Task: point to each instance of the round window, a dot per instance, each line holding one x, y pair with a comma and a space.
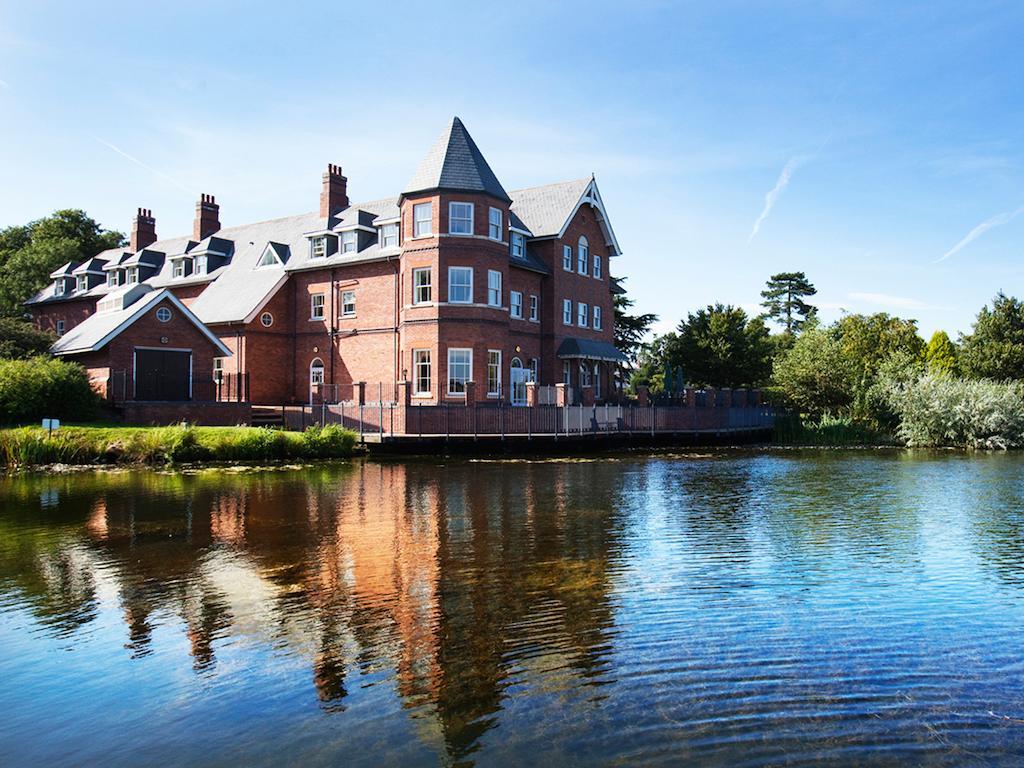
163, 315
267, 319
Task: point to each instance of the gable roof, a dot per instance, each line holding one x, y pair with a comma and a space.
99, 329
547, 210
455, 163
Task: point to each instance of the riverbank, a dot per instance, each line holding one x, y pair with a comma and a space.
103, 445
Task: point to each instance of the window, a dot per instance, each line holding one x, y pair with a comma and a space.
131, 275
567, 311
534, 310
268, 259
597, 267
422, 220
516, 302
493, 373
533, 369
582, 314
267, 319
349, 241
348, 303
316, 306
316, 376
494, 217
421, 371
460, 218
584, 375
82, 283
60, 327
218, 369
460, 370
493, 288
178, 266
567, 258
112, 277
583, 256
567, 373
199, 265
518, 246
58, 287
389, 236
318, 247
597, 318
460, 285
163, 315
421, 287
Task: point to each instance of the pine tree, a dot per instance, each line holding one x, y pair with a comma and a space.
941, 354
784, 300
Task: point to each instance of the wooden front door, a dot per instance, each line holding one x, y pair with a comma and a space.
163, 374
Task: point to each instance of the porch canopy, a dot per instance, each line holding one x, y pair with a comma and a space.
589, 349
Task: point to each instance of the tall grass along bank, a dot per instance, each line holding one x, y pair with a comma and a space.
33, 446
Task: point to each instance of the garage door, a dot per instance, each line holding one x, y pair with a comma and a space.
162, 374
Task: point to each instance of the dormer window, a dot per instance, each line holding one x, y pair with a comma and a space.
269, 258
318, 247
112, 278
131, 275
199, 265
82, 283
178, 268
389, 236
518, 246
58, 287
349, 241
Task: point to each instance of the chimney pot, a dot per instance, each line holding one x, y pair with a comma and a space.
143, 230
333, 192
207, 219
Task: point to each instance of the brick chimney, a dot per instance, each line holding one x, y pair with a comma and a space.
334, 193
207, 218
143, 230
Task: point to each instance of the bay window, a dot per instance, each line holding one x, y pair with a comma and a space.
460, 370
460, 285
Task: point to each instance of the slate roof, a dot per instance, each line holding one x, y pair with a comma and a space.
455, 163
543, 210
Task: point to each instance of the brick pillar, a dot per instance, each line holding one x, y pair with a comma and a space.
726, 398
643, 395
405, 392
690, 397
470, 392
756, 396
531, 393
739, 398
709, 398
359, 391
587, 395
561, 394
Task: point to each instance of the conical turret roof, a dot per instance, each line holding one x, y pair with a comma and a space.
455, 163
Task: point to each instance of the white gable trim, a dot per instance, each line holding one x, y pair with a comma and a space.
266, 300
140, 311
592, 197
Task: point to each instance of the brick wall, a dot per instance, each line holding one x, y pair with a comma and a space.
205, 414
72, 312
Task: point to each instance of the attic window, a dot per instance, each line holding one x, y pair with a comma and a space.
112, 276
348, 241
269, 258
131, 275
389, 236
83, 283
199, 265
318, 247
58, 287
178, 270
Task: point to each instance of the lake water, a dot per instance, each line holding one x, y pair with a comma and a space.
722, 609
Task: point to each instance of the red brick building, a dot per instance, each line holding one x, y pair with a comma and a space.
456, 286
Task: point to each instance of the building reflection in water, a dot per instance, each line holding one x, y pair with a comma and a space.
455, 582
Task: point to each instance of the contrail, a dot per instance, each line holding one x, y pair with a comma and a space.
995, 221
149, 168
773, 196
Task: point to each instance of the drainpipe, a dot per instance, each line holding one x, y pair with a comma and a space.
334, 319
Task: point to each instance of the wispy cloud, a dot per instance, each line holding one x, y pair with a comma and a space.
149, 168
995, 221
4, 84
886, 300
772, 197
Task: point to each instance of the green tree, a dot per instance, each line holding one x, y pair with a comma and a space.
19, 339
720, 346
651, 361
941, 355
995, 348
784, 300
630, 330
30, 252
813, 376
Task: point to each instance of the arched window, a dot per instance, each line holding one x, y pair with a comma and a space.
583, 256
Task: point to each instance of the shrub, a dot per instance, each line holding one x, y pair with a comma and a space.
330, 441
44, 387
942, 411
19, 339
812, 376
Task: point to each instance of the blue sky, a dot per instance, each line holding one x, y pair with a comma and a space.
870, 140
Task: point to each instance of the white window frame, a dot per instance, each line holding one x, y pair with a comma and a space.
422, 227
163, 314
387, 232
58, 286
518, 246
452, 271
349, 241
534, 369
493, 288
421, 360
495, 217
469, 366
317, 309
266, 320
584, 370
452, 218
318, 247
534, 308
566, 373
567, 258
597, 318
494, 373
60, 328
583, 255
582, 314
515, 303
218, 369
82, 283
178, 268
275, 260
131, 275
422, 294
567, 316
112, 278
596, 269
348, 299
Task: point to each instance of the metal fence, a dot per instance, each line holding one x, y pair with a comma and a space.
224, 388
